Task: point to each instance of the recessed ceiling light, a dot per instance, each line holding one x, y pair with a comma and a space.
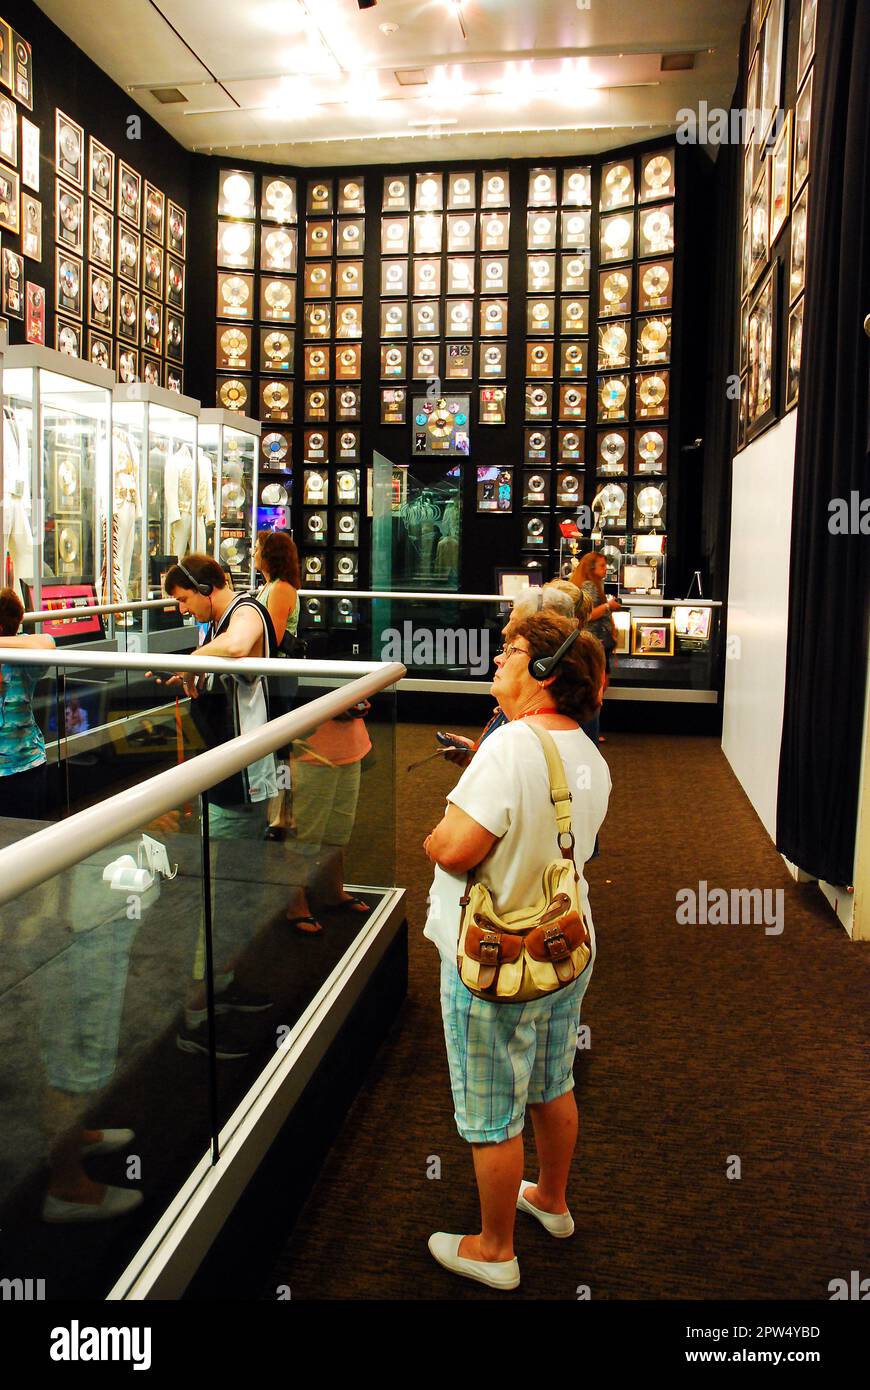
388, 27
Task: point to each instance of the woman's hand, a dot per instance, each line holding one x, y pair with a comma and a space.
613, 603
426, 847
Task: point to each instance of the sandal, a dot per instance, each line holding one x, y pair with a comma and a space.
275, 832
309, 930
351, 903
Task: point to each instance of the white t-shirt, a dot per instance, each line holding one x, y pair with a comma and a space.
506, 789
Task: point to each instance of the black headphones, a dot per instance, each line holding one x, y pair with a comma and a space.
201, 588
544, 666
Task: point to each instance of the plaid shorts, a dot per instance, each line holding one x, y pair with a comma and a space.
503, 1057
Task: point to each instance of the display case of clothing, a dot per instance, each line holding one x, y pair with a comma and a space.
231, 444
56, 472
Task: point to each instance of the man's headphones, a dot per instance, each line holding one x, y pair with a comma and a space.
201, 588
544, 666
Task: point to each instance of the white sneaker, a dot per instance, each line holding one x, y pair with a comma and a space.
118, 1201
112, 1140
498, 1274
560, 1226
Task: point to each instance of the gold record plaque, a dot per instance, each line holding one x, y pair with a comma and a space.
233, 393
348, 320
577, 187
277, 300
318, 280
494, 231
426, 318
613, 398
652, 395
317, 320
493, 318
152, 269
69, 150
348, 403
276, 400
614, 292
175, 281
235, 296
101, 249
539, 360
575, 274
348, 362
397, 193
654, 340
31, 227
655, 288
318, 238
460, 274
174, 336
320, 196
574, 359
617, 186
233, 348
68, 284
461, 190
152, 326
278, 250
458, 361
542, 188
428, 193
316, 363
651, 450
101, 173
10, 200
351, 194
576, 231
613, 345
350, 236
394, 320
127, 315
656, 231
278, 199
541, 274
69, 218
657, 176
494, 275
129, 194
493, 360
616, 233
100, 299
128, 364
176, 229
276, 351
155, 213
613, 452
496, 189
236, 195
235, 245
349, 280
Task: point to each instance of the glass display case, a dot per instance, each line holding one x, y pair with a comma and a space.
231, 442
56, 470
160, 499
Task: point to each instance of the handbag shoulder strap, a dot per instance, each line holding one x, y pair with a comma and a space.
560, 794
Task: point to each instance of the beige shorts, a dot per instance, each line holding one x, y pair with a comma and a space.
324, 801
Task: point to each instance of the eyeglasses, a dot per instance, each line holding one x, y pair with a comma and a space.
507, 652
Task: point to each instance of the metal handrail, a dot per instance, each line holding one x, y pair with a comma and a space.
48, 852
80, 658
94, 610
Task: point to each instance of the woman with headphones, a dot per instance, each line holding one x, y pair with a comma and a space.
499, 822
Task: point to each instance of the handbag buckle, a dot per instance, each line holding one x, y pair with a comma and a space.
557, 946
489, 948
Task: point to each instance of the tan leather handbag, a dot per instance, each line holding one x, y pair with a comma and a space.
531, 952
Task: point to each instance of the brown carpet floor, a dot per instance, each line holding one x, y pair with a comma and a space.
709, 1044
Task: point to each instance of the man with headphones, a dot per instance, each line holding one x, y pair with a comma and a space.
221, 707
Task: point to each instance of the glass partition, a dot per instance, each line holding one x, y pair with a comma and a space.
231, 443
56, 476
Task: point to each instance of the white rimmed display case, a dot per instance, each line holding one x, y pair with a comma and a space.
232, 444
163, 495
56, 476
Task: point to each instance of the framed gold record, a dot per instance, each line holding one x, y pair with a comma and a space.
320, 196
152, 269
276, 350
173, 378
234, 393
174, 336
129, 194
101, 238
798, 252
318, 239
428, 233
655, 288
614, 344
276, 400
654, 340
317, 320
348, 403
394, 361
316, 362
652, 395
577, 187
348, 321
495, 192
278, 198
235, 245
350, 236
614, 292
656, 230
30, 141
69, 217
539, 360
100, 350
68, 283
651, 449
152, 370
233, 348
101, 299
128, 363
397, 193
129, 254
574, 359
69, 149
67, 482
68, 540
5, 55
235, 295
8, 131
22, 70
656, 176
174, 281
542, 188
461, 188
152, 326
31, 227
616, 234
277, 299
617, 185
349, 280
348, 362
576, 230
67, 337
575, 273
351, 194
154, 205
428, 192
101, 173
10, 200
236, 194
176, 229
613, 397
318, 280
494, 231
127, 314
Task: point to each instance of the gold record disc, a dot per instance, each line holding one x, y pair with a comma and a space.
276, 395
654, 335
69, 144
317, 399
230, 553
277, 346
320, 193
572, 440
235, 291
68, 544
441, 421
233, 394
651, 446
278, 294
69, 212
279, 247
614, 341
237, 189
613, 394
233, 343
236, 241
279, 196
68, 478
615, 287
617, 180
653, 391
617, 233
233, 496
348, 357
656, 281
350, 275
657, 226
657, 172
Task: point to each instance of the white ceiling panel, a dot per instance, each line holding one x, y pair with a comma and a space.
314, 81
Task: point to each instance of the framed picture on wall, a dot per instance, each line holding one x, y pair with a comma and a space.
759, 225
69, 217
30, 154
129, 193
31, 227
771, 67
802, 131
69, 149
8, 131
101, 173
798, 257
761, 380
780, 180
807, 40
10, 200
793, 354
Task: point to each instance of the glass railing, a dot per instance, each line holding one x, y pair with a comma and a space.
159, 948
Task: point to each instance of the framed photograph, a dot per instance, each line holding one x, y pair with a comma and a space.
8, 131
10, 200
5, 55
127, 316
277, 200
31, 227
128, 363
176, 229
802, 131
69, 216
780, 180
761, 406
155, 213
101, 241
68, 337
100, 299
101, 173
174, 282
459, 361
771, 67
693, 622
798, 258
67, 283
793, 354
129, 254
69, 149
759, 225
652, 637
30, 154
807, 40
129, 194
34, 314
100, 350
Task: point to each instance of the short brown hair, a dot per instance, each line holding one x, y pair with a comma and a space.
576, 688
201, 568
11, 612
279, 553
